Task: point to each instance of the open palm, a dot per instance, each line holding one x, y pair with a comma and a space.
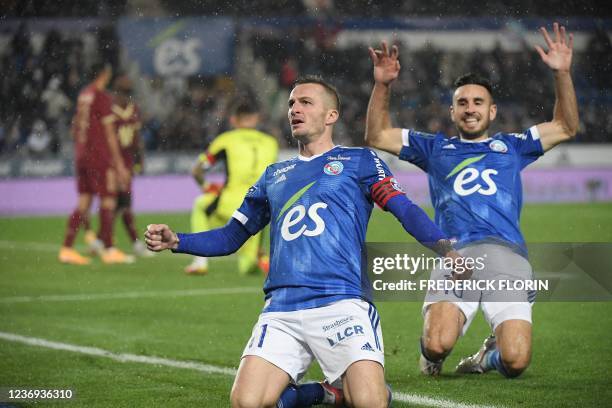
559, 55
386, 64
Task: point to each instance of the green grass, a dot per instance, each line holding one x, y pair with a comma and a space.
572, 364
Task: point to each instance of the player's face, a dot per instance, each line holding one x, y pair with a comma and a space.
472, 110
309, 112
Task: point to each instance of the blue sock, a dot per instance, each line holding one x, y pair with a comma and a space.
289, 398
303, 395
493, 360
310, 394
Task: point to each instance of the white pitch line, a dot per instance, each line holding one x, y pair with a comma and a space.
122, 358
129, 295
434, 402
205, 368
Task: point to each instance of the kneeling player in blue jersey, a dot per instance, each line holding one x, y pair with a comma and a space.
475, 187
317, 295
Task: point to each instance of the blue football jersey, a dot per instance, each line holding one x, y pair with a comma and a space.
475, 187
318, 209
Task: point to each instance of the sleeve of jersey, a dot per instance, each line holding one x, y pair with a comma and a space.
416, 147
416, 222
384, 190
217, 242
254, 212
527, 144
206, 160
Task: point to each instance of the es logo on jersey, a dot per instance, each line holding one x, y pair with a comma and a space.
464, 178
468, 180
345, 333
290, 229
333, 168
295, 215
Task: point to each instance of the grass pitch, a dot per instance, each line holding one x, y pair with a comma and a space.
152, 309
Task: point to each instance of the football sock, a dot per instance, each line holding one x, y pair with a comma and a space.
288, 398
128, 221
303, 395
493, 361
73, 227
106, 227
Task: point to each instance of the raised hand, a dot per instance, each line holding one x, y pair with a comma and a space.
386, 64
159, 237
559, 55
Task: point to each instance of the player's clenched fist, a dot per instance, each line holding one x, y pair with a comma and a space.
159, 237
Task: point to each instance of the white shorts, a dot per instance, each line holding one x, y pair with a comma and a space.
336, 335
501, 263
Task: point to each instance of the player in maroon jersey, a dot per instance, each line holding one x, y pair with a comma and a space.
127, 124
99, 167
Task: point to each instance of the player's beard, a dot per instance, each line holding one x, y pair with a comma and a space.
471, 134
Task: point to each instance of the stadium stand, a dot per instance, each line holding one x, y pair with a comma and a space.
46, 65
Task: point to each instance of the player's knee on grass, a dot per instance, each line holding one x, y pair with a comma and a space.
364, 385
438, 345
515, 361
249, 400
244, 400
514, 345
368, 398
443, 324
241, 397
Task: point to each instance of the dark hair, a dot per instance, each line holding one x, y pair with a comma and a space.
472, 78
243, 106
316, 79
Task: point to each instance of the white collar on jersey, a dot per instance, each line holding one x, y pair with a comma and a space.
304, 158
471, 141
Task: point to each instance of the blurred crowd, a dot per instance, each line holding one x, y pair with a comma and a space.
40, 84
524, 88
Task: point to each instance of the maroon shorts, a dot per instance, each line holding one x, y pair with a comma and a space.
97, 181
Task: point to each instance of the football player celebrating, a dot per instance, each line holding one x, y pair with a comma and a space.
475, 187
317, 294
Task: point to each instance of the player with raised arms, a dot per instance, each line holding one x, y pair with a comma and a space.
475, 187
318, 300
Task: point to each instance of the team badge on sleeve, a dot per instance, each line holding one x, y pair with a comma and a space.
396, 186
